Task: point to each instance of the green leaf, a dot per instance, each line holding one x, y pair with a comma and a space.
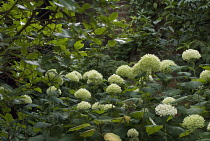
37, 138
32, 56
150, 129
100, 31
88, 133
38, 89
24, 50
79, 127
184, 134
194, 111
206, 67
78, 44
113, 16
137, 114
32, 62
69, 4
193, 84
41, 125
112, 43
85, 7
8, 117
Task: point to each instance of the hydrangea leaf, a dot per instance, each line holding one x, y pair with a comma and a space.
79, 127
153, 128
88, 133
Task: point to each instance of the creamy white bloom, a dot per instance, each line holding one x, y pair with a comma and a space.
168, 100
208, 127
96, 105
83, 105
26, 99
149, 63
82, 93
193, 122
114, 78
132, 133
79, 75
72, 76
125, 71
205, 75
52, 90
113, 88
135, 70
93, 77
165, 110
190, 54
165, 66
106, 107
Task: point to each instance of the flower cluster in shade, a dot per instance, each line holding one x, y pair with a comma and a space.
193, 122
93, 77
82, 93
190, 54
104, 107
124, 71
113, 88
149, 63
208, 127
205, 74
74, 76
114, 78
133, 133
53, 76
165, 66
26, 99
165, 110
168, 100
83, 105
52, 90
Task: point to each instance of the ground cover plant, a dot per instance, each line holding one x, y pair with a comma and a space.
58, 83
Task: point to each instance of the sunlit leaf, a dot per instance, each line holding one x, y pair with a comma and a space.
88, 133
153, 128
79, 127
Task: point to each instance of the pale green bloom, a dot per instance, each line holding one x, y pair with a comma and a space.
113, 88
115, 79
165, 110
132, 133
193, 122
83, 105
165, 66
168, 100
135, 70
93, 77
96, 105
149, 63
125, 71
208, 127
82, 93
106, 107
52, 90
79, 75
26, 99
205, 75
190, 54
72, 76
53, 76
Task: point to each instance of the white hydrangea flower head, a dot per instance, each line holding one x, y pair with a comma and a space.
114, 78
190, 54
82, 93
83, 105
149, 63
165, 110
208, 127
72, 76
124, 71
52, 90
26, 99
165, 66
93, 77
135, 70
52, 74
113, 88
168, 100
193, 122
205, 74
132, 133
79, 75
96, 105
106, 107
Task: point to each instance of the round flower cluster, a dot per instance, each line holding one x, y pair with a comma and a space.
93, 77
115, 79
165, 109
193, 122
52, 90
53, 76
26, 99
132, 133
208, 127
165, 66
82, 93
124, 70
149, 63
205, 75
72, 76
77, 74
83, 105
113, 88
190, 54
104, 107
168, 100
135, 70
